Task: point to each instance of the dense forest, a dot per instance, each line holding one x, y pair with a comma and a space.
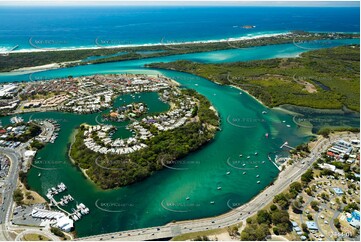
79, 57
326, 78
109, 171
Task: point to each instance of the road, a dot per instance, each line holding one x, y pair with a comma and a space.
9, 187
286, 177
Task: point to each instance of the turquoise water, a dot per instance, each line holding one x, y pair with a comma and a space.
221, 56
161, 198
243, 131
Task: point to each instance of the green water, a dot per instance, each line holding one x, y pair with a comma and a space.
161, 198
140, 205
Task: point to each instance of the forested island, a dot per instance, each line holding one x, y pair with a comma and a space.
324, 79
74, 57
162, 149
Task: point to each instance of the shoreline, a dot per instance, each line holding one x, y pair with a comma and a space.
232, 39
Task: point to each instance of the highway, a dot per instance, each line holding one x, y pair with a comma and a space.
9, 187
286, 177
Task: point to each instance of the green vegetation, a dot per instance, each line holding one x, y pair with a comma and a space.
334, 74
35, 237
18, 196
24, 179
19, 60
57, 232
37, 144
163, 149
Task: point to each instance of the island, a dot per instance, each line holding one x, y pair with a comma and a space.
157, 141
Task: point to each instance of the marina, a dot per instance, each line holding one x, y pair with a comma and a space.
76, 213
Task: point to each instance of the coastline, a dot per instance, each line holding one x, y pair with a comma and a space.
234, 39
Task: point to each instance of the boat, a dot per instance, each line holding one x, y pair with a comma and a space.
240, 155
212, 202
264, 112
244, 164
219, 188
263, 162
196, 84
256, 153
266, 135
258, 182
248, 157
288, 126
257, 176
256, 166
240, 93
244, 173
228, 172
187, 198
39, 174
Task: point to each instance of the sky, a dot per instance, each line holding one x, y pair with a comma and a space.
310, 3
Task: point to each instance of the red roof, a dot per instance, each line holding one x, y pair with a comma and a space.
330, 153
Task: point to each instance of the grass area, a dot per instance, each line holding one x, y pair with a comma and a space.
35, 237
335, 72
194, 235
30, 197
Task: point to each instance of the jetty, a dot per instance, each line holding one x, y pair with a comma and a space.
285, 144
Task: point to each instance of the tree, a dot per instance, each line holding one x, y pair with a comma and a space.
18, 196
280, 216
337, 223
273, 207
282, 200
304, 227
263, 217
57, 232
314, 205
307, 176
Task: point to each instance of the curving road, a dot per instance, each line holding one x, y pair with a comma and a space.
9, 187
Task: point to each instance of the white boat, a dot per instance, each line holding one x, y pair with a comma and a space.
256, 153
219, 188
257, 176
244, 173
258, 182
212, 202
240, 155
187, 198
228, 172
248, 157
39, 174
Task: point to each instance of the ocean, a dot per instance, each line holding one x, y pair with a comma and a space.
34, 28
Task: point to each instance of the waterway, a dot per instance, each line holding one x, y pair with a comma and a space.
161, 198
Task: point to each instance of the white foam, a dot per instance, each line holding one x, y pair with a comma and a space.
248, 37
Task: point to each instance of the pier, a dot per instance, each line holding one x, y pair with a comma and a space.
285, 144
77, 212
